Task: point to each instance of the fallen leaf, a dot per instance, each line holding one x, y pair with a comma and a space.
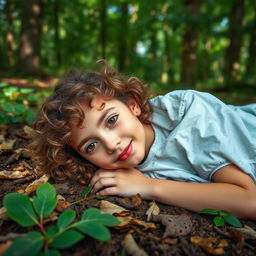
13, 174
128, 221
6, 145
248, 232
131, 203
62, 205
208, 244
3, 131
107, 207
131, 246
176, 225
3, 214
119, 212
27, 133
35, 184
152, 210
21, 191
23, 152
5, 246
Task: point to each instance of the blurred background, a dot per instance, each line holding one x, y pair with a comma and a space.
207, 45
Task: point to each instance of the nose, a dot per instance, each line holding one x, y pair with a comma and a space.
112, 143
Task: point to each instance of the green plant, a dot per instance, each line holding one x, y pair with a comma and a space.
221, 217
29, 212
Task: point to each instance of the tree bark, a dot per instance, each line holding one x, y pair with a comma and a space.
10, 7
189, 46
232, 57
250, 66
29, 46
123, 32
57, 32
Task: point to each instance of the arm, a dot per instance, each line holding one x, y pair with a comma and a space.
233, 190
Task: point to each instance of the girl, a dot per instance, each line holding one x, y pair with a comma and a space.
185, 148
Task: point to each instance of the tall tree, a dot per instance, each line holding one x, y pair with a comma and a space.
10, 7
251, 61
189, 44
232, 58
123, 36
29, 46
103, 27
56, 7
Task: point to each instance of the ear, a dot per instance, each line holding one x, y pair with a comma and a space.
134, 107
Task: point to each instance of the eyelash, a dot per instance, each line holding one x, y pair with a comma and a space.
110, 123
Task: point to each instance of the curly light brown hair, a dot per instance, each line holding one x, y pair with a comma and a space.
50, 149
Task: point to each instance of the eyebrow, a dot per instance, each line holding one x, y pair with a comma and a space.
102, 117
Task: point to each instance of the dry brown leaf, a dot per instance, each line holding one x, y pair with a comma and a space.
23, 152
5, 246
131, 246
6, 145
107, 207
207, 243
27, 133
152, 210
128, 221
35, 184
176, 225
3, 129
3, 214
62, 205
13, 174
132, 202
247, 231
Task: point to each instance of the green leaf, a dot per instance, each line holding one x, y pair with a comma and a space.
8, 107
94, 230
51, 231
219, 221
224, 213
45, 200
20, 209
100, 197
234, 221
30, 245
65, 219
66, 239
209, 211
50, 253
94, 215
87, 191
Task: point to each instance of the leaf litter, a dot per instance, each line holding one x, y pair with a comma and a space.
187, 234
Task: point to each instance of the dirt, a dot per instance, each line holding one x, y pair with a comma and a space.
225, 243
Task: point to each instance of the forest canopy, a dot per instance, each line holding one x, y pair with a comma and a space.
197, 44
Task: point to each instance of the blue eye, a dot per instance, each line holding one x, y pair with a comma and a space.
90, 148
112, 120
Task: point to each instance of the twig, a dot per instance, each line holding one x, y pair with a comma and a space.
25, 179
11, 236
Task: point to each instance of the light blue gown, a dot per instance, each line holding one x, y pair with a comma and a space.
196, 134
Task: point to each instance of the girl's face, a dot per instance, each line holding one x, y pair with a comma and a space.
112, 136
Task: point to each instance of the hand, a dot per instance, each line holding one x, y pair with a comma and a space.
122, 182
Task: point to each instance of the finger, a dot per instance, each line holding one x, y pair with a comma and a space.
102, 183
109, 191
101, 174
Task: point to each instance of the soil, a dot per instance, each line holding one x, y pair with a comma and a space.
150, 241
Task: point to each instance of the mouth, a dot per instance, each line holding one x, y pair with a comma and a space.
125, 153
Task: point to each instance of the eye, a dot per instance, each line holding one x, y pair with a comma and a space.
112, 120
90, 148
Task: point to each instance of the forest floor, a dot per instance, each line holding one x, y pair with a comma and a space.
189, 234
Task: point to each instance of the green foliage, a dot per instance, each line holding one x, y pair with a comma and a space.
29, 212
221, 217
16, 104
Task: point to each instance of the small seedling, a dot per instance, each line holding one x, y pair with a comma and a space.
221, 217
29, 212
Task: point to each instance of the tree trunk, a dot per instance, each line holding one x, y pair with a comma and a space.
232, 57
123, 32
103, 28
189, 46
250, 66
29, 47
57, 32
10, 7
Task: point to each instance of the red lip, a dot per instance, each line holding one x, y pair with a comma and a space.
126, 153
